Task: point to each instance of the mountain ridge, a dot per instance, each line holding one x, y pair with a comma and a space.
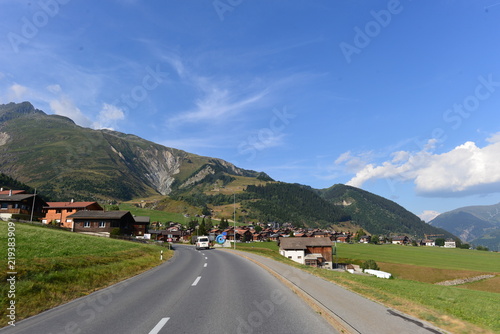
64, 161
477, 224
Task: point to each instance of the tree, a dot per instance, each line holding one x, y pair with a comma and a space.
258, 229
291, 235
205, 211
369, 264
440, 242
375, 239
202, 229
482, 248
209, 224
359, 234
192, 224
223, 224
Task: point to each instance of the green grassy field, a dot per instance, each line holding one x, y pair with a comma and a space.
458, 309
55, 266
155, 215
435, 257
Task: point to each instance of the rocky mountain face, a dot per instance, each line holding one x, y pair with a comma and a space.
65, 160
478, 225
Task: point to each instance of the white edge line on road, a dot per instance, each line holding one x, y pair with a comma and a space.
205, 265
159, 326
196, 281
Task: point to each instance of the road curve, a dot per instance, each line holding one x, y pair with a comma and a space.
194, 292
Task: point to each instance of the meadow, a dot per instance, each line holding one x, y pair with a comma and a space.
55, 266
467, 308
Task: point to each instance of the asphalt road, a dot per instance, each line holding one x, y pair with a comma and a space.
208, 291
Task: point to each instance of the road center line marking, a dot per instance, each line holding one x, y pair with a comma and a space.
205, 265
159, 326
196, 281
206, 258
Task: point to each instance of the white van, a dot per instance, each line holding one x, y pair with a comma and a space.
202, 242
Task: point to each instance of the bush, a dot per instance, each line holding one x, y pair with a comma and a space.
370, 264
116, 231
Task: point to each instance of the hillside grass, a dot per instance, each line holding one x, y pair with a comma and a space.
155, 215
468, 308
55, 266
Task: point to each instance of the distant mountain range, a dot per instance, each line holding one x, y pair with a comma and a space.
65, 161
478, 225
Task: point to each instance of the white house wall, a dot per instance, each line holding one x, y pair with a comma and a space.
294, 255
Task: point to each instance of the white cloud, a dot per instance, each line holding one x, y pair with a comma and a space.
55, 89
64, 106
217, 102
17, 92
108, 117
428, 215
465, 170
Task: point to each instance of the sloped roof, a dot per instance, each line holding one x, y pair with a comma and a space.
94, 214
57, 205
17, 197
13, 192
142, 219
303, 243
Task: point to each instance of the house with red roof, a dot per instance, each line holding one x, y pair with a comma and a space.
59, 211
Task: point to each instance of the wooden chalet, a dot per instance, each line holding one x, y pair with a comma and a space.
103, 222
17, 204
316, 252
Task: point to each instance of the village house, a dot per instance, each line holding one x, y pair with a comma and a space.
17, 204
450, 243
400, 240
365, 239
428, 242
316, 252
59, 211
140, 226
345, 238
104, 222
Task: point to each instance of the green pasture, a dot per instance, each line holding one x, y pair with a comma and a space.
55, 266
434, 257
155, 215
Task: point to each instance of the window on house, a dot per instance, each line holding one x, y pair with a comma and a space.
86, 224
68, 220
299, 257
4, 206
102, 224
58, 211
289, 257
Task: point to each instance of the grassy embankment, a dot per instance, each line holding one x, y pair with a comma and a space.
55, 266
467, 308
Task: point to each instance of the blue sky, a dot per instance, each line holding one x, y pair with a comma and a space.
400, 98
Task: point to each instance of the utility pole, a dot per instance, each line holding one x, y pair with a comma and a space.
33, 207
234, 218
